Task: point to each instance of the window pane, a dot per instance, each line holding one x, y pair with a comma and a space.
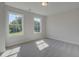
36, 24
15, 23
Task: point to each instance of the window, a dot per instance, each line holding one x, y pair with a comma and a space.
15, 23
37, 25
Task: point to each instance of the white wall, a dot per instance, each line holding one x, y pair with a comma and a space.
2, 28
64, 26
28, 27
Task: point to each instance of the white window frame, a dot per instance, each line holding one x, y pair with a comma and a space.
40, 25
16, 13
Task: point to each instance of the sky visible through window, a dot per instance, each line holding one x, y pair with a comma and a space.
12, 17
37, 19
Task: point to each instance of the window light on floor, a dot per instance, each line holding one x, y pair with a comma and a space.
41, 44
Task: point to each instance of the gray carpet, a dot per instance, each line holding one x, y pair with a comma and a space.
49, 48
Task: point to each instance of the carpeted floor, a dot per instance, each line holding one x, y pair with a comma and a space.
43, 48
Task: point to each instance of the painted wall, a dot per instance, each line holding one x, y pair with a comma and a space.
28, 27
64, 26
2, 28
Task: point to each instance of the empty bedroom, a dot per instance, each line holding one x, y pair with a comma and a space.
39, 29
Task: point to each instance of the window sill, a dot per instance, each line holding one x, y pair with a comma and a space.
16, 34
37, 32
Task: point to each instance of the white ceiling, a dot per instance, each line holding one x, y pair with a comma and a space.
52, 8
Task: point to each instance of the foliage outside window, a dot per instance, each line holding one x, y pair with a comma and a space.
37, 23
15, 23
